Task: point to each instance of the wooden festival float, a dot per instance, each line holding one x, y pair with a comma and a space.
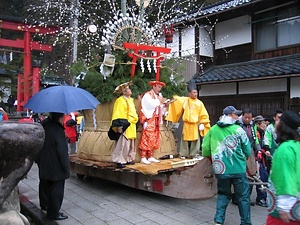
178, 178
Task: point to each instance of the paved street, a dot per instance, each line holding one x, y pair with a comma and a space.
94, 201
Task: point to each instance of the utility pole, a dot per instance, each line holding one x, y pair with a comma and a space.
75, 31
123, 7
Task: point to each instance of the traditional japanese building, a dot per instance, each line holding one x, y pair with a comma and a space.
249, 54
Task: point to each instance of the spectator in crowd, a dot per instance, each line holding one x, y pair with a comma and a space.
3, 115
246, 122
228, 146
78, 121
124, 108
260, 127
71, 132
152, 108
195, 119
269, 142
285, 173
81, 126
54, 166
11, 105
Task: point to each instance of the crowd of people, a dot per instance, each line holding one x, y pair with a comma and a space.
240, 146
240, 142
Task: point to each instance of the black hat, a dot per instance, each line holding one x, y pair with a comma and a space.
259, 119
191, 86
231, 110
291, 119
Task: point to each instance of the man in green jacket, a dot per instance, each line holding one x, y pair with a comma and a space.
228, 146
269, 142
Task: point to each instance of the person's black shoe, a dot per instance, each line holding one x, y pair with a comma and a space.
44, 208
61, 216
131, 163
120, 165
262, 203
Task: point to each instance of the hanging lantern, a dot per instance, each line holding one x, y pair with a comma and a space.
169, 33
107, 67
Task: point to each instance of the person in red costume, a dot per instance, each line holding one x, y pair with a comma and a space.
3, 115
71, 132
150, 117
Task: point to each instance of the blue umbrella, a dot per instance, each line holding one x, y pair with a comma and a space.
63, 99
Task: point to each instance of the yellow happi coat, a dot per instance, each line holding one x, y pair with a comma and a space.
193, 114
124, 108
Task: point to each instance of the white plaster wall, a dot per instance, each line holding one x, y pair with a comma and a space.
263, 86
206, 45
233, 32
217, 89
251, 87
188, 41
295, 87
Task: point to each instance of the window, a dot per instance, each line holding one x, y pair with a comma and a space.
277, 29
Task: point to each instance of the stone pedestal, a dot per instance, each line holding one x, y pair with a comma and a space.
19, 146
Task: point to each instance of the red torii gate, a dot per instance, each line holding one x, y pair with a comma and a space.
141, 50
29, 78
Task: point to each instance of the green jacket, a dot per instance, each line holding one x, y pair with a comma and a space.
285, 172
228, 145
270, 138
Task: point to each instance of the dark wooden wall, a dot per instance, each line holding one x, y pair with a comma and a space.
261, 104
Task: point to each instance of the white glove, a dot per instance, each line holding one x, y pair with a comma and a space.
145, 125
201, 126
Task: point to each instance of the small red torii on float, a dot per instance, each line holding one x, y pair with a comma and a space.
141, 51
29, 78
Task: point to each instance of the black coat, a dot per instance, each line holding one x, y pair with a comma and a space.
53, 160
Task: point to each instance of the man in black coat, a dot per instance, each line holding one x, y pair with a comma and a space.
54, 166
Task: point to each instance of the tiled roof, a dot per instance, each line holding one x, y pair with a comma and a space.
251, 70
212, 8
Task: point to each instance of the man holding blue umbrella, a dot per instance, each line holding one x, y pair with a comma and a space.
54, 166
53, 159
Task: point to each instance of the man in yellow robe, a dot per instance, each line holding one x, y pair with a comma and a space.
195, 121
124, 108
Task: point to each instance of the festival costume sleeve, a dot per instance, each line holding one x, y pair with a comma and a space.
190, 118
194, 114
132, 114
245, 143
283, 172
120, 109
125, 109
204, 119
149, 104
132, 119
176, 109
285, 202
269, 139
206, 148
